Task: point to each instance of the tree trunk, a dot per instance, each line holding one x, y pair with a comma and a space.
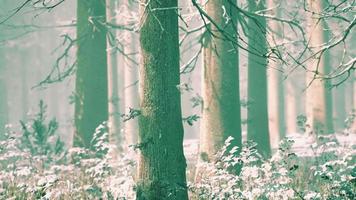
131, 83
276, 94
3, 95
291, 106
220, 88
162, 163
319, 96
91, 102
257, 110
340, 112
113, 78
25, 86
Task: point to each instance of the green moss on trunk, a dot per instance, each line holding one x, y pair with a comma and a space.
162, 163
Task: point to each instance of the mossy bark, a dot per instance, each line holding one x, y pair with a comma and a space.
220, 88
162, 163
257, 110
91, 92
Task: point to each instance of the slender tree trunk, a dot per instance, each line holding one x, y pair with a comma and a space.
257, 111
353, 104
319, 99
3, 94
3, 106
291, 106
113, 78
24, 87
162, 163
276, 94
340, 112
131, 83
91, 103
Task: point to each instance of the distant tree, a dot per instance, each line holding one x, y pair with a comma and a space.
24, 85
276, 83
162, 165
113, 76
319, 99
339, 106
220, 90
91, 92
257, 109
3, 95
131, 85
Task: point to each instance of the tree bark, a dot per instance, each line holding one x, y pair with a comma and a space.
131, 82
91, 102
257, 110
220, 88
319, 99
276, 94
162, 163
291, 105
113, 78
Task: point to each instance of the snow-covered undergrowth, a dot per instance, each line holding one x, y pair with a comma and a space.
329, 174
34, 164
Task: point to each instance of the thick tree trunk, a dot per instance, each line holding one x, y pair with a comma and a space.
162, 163
220, 88
319, 99
91, 102
257, 111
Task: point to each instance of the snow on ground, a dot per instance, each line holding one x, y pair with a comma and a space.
302, 145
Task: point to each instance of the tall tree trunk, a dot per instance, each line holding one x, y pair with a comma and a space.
340, 112
131, 83
91, 102
3, 106
220, 89
291, 106
113, 78
353, 104
319, 99
3, 96
24, 86
276, 94
162, 163
257, 111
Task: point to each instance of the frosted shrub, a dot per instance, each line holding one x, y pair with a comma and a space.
329, 174
32, 167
